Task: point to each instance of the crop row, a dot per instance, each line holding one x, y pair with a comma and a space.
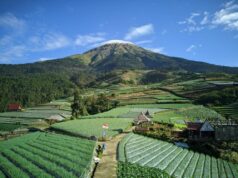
41, 155
175, 161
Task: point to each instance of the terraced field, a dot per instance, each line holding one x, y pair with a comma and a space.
34, 116
175, 161
188, 113
46, 155
229, 110
93, 127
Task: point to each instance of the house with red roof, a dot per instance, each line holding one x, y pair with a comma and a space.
14, 107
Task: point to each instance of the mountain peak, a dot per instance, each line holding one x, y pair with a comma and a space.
116, 42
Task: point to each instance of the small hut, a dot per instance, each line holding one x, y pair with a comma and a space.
14, 107
55, 118
200, 131
142, 120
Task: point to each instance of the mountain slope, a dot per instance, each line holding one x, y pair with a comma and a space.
128, 56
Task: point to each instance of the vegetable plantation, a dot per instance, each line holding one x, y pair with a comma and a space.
46, 155
93, 127
128, 170
189, 113
175, 161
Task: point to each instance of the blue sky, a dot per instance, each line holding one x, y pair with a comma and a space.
37, 30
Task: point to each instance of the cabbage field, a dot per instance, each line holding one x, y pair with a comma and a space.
175, 161
46, 155
93, 127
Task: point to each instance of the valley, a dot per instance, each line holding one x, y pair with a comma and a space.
56, 132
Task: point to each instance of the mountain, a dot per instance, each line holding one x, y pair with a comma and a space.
111, 63
129, 56
114, 56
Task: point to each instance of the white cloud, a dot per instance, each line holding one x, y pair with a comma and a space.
11, 21
143, 42
14, 52
43, 59
83, 40
205, 18
192, 24
157, 50
50, 41
136, 32
191, 48
227, 16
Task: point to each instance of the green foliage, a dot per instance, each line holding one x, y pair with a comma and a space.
128, 170
93, 127
154, 77
33, 90
43, 155
83, 106
173, 160
219, 97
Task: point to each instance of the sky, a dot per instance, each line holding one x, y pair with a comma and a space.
38, 30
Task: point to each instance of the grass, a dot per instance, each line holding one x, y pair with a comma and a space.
43, 155
93, 127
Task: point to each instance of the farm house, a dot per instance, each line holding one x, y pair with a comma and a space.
200, 131
225, 130
142, 119
14, 107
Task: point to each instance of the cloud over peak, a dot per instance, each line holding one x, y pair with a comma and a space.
139, 31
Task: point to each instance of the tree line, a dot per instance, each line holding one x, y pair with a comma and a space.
83, 106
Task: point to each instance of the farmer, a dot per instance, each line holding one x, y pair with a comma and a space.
103, 146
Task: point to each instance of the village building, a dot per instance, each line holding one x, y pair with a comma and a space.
226, 130
142, 119
220, 130
14, 107
200, 131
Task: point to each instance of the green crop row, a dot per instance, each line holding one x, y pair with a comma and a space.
93, 127
46, 155
128, 170
175, 161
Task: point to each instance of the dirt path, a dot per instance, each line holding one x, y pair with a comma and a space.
108, 164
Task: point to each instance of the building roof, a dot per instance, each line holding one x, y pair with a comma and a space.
148, 114
196, 126
14, 106
55, 117
141, 118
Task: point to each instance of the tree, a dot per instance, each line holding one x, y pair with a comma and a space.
75, 106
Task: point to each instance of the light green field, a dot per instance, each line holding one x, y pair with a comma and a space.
178, 116
175, 161
93, 127
44, 155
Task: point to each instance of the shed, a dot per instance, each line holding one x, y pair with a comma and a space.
14, 107
142, 118
200, 130
56, 117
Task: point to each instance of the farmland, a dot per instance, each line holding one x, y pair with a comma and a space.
228, 110
93, 127
34, 116
43, 155
175, 161
189, 113
128, 170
